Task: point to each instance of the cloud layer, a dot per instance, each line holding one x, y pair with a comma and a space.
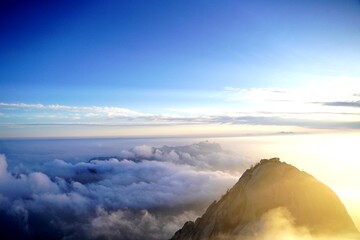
326, 104
144, 191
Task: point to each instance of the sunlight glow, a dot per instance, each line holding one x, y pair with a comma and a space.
331, 158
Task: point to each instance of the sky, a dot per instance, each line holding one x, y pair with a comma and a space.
173, 68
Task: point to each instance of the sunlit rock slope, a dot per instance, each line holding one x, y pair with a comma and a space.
271, 184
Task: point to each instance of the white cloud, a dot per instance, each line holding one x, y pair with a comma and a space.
145, 192
92, 110
126, 224
40, 183
331, 103
143, 151
324, 90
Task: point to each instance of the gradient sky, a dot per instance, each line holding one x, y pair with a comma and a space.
123, 68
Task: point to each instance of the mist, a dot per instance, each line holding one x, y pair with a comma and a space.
279, 224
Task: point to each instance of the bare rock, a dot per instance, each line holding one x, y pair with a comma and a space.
269, 185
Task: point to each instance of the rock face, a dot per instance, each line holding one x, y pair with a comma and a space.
271, 184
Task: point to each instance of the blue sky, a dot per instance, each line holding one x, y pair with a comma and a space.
169, 58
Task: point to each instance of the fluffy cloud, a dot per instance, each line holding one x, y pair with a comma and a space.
144, 192
126, 224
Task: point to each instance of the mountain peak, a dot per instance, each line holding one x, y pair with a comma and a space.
266, 186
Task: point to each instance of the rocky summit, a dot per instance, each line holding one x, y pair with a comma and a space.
269, 185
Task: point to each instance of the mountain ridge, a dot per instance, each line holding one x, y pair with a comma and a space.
269, 185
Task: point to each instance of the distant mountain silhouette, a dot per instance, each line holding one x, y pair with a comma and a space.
270, 185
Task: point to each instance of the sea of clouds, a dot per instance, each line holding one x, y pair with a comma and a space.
144, 192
